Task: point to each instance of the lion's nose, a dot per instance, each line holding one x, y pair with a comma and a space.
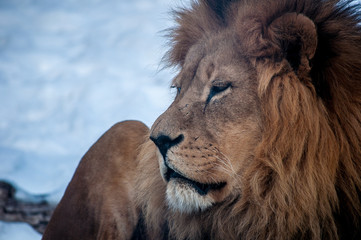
164, 142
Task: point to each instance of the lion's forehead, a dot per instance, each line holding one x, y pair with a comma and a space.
213, 54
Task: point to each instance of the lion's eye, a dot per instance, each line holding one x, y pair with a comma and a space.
177, 88
216, 89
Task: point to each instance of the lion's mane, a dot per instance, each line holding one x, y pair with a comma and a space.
305, 180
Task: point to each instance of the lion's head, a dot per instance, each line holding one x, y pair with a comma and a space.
266, 124
215, 110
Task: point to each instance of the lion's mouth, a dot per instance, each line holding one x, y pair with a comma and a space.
201, 188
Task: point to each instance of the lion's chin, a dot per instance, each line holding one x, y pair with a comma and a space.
186, 195
182, 197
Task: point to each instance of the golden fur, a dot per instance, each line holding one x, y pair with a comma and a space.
94, 204
263, 140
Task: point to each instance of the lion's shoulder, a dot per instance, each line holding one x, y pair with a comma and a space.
98, 202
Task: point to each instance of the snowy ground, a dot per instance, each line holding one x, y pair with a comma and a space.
69, 70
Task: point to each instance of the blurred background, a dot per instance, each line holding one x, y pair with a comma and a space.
69, 70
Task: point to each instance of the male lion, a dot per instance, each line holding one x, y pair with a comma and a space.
263, 140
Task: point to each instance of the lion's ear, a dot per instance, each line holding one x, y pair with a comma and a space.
295, 36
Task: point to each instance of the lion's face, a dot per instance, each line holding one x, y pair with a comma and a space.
209, 132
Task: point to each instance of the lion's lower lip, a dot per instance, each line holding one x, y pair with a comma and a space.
201, 188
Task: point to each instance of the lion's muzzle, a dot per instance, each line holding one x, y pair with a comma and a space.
164, 143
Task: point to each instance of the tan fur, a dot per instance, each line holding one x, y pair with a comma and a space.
98, 203
268, 104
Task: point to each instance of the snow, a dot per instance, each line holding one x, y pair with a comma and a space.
17, 231
69, 70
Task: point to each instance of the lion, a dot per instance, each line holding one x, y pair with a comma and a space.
262, 140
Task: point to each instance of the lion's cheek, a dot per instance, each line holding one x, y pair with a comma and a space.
240, 146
